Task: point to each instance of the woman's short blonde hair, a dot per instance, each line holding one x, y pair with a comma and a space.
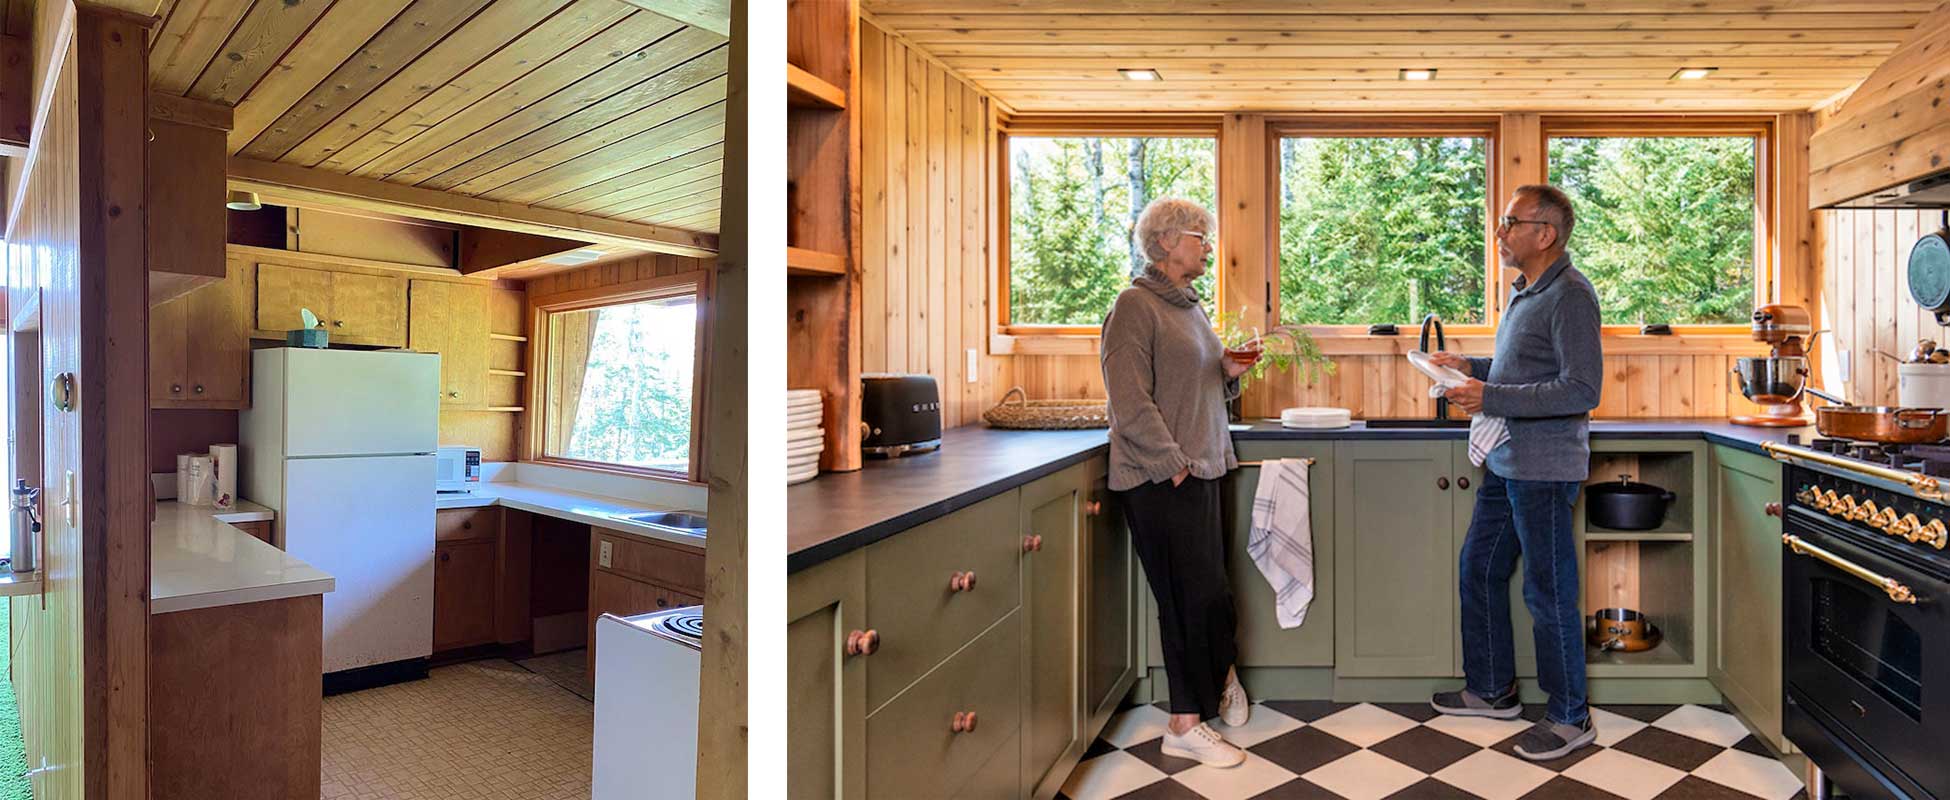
1168, 215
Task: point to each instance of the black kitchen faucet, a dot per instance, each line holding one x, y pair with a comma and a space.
1441, 343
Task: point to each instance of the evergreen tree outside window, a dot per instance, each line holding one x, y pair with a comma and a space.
619, 384
1072, 204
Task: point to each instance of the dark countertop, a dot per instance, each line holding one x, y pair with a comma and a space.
839, 512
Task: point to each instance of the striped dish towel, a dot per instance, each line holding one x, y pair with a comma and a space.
1486, 433
1281, 541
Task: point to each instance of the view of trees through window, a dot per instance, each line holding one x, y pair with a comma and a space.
624, 383
1382, 229
1073, 202
1665, 225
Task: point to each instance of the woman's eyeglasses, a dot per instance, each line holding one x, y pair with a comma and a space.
1206, 238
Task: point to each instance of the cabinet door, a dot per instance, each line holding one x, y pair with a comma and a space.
282, 291
1110, 662
1051, 509
463, 594
199, 347
1470, 479
185, 179
452, 319
1262, 642
1746, 658
826, 720
368, 309
1394, 559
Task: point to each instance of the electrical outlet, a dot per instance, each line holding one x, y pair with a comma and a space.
603, 555
1842, 365
974, 370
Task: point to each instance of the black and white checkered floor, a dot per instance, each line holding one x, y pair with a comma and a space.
1368, 751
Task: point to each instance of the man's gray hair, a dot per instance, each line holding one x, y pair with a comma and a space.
1168, 215
1555, 205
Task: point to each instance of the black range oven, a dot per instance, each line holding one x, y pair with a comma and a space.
1866, 585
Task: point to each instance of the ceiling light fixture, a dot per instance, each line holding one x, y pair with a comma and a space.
1693, 73
242, 201
1418, 74
1140, 74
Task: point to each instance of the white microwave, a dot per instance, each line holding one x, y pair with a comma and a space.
456, 469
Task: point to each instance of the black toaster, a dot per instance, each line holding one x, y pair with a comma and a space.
900, 414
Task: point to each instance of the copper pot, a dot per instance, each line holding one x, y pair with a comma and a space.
1886, 424
1621, 629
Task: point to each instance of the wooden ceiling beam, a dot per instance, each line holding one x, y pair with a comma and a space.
301, 186
710, 15
189, 111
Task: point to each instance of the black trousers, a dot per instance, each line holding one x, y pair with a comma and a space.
1180, 539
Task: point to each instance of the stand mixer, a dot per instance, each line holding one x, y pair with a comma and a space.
1777, 380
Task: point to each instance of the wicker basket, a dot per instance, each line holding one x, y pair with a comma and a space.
1027, 414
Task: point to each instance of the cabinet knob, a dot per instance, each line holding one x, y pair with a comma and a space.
962, 582
1462, 482
1442, 483
963, 722
1094, 507
663, 602
176, 388
444, 556
1032, 543
453, 394
862, 643
1773, 509
467, 525
198, 389
338, 323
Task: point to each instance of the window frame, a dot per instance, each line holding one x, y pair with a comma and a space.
696, 284
1081, 339
1487, 126
1650, 126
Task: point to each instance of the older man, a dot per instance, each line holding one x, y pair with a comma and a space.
1544, 380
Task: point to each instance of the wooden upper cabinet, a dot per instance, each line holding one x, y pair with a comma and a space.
356, 308
199, 346
452, 319
185, 215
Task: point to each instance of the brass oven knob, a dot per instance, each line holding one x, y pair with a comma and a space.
862, 643
1806, 495
1931, 533
1903, 527
1842, 506
1863, 512
1829, 502
1883, 519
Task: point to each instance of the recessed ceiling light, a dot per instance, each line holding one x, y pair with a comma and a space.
1140, 74
1693, 73
1418, 74
574, 257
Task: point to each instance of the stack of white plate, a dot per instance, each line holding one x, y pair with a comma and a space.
804, 438
1315, 418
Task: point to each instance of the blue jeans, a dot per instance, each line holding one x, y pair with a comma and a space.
1530, 519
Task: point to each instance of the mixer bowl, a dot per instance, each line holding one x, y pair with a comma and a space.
1771, 380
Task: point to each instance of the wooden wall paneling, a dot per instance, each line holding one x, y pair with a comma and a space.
919, 213
1244, 234
1710, 381
935, 298
974, 264
1888, 302
1866, 272
951, 366
1842, 287
899, 195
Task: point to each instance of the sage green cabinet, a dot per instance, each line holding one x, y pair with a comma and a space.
1262, 642
1523, 640
920, 615
1052, 515
1394, 559
1745, 661
1110, 607
826, 720
915, 744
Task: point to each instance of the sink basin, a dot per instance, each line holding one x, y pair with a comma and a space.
674, 520
1417, 422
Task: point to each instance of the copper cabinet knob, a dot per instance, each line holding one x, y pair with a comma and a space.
1442, 483
962, 582
1032, 543
1462, 482
862, 643
1772, 509
964, 722
1093, 507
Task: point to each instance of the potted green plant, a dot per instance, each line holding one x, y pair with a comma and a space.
1283, 347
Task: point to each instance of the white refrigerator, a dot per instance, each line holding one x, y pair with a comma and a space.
340, 443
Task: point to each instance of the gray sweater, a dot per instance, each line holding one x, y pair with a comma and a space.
1164, 370
1545, 377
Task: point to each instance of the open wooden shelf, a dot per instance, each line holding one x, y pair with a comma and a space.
806, 90
507, 337
12, 585
511, 373
1668, 532
1667, 654
800, 261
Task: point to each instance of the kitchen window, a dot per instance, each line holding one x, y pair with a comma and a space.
1072, 203
1384, 226
1670, 219
619, 383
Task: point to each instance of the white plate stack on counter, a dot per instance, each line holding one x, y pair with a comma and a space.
804, 438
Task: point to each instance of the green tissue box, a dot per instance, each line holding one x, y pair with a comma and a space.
306, 337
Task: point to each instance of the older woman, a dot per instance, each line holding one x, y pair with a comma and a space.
1168, 378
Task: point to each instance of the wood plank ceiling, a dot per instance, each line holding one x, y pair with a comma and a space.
597, 107
1063, 55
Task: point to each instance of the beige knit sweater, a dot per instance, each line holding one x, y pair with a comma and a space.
1164, 370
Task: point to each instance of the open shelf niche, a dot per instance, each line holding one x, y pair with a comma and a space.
1659, 572
823, 217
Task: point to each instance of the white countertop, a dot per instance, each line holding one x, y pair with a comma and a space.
197, 559
592, 509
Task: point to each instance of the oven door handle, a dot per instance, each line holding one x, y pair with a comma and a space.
1896, 591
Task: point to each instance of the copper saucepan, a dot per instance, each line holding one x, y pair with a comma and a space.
1886, 424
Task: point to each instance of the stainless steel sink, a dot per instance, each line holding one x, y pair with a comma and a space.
675, 520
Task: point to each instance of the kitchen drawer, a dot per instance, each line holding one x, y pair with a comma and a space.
465, 524
260, 528
912, 750
640, 559
920, 619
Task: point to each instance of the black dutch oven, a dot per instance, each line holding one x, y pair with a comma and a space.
1626, 505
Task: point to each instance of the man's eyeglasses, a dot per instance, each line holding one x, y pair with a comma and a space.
1506, 223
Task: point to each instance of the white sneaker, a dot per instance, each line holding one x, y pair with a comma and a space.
1204, 745
1234, 708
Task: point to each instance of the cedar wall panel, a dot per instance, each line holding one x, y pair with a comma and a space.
925, 177
1865, 297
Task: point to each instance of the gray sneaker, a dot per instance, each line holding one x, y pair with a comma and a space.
1464, 703
1547, 740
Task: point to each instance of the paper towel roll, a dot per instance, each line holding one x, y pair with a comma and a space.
224, 461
